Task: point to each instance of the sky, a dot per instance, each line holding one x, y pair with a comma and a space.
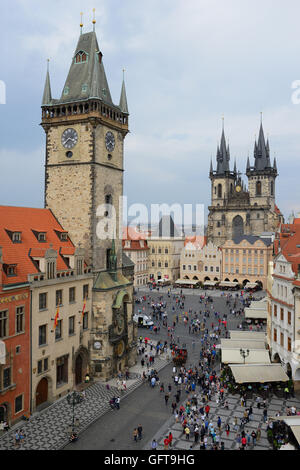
187, 63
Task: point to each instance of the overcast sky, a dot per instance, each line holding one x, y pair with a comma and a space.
188, 62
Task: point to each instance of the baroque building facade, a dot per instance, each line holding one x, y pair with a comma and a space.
85, 133
236, 210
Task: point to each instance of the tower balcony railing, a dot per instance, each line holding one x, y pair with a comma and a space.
90, 108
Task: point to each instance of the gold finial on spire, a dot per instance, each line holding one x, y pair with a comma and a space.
94, 19
261, 117
123, 74
81, 22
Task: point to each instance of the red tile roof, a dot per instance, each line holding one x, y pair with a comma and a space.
27, 220
131, 233
198, 240
291, 249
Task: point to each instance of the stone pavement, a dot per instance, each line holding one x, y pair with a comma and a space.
274, 405
49, 429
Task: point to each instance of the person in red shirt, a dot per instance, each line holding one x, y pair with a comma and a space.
207, 409
244, 442
170, 438
166, 443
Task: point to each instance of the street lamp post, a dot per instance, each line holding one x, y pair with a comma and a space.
74, 399
244, 353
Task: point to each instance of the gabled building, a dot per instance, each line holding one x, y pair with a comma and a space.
283, 321
135, 246
165, 246
46, 316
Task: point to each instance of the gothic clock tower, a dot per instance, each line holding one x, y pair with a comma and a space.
84, 167
85, 134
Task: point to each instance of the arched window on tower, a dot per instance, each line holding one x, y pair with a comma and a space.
81, 57
272, 188
258, 188
219, 190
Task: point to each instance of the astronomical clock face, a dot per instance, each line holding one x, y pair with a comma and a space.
110, 141
238, 189
69, 138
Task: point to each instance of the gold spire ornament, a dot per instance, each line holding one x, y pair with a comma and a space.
94, 19
81, 22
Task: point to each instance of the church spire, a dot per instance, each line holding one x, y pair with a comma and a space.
47, 96
261, 152
123, 98
223, 156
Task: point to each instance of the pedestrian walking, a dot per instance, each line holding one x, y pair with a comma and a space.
140, 432
135, 434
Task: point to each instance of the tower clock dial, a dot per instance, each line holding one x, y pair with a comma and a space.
69, 138
110, 141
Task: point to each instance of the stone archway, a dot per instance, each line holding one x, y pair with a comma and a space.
4, 412
276, 358
81, 365
237, 227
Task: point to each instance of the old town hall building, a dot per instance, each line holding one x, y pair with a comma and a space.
85, 133
236, 210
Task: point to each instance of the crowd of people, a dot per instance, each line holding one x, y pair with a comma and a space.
192, 388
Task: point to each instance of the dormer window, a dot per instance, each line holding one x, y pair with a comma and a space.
64, 236
10, 269
42, 237
16, 237
84, 88
81, 57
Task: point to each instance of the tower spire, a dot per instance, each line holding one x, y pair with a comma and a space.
47, 96
123, 98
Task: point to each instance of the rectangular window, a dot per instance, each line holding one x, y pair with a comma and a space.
62, 370
275, 310
3, 323
281, 339
43, 301
289, 344
281, 314
58, 330
275, 335
71, 325
46, 364
20, 319
72, 294
42, 335
59, 297
85, 321
18, 404
86, 291
6, 377
289, 318
40, 367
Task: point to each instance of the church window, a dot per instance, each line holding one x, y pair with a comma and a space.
81, 57
219, 224
219, 190
258, 188
272, 188
66, 90
258, 216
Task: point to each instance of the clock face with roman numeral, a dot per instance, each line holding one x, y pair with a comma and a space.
69, 138
110, 141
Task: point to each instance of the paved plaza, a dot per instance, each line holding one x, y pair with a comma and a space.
49, 429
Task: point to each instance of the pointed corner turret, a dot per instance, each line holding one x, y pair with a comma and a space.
123, 98
47, 96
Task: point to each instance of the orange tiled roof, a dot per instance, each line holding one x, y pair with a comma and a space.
198, 240
291, 249
27, 220
131, 233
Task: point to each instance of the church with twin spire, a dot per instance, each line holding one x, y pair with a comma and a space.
237, 209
